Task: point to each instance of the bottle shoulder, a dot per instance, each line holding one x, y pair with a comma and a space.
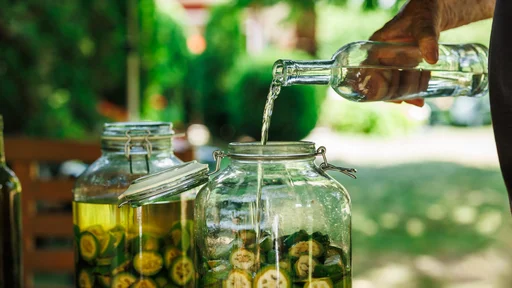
9, 178
279, 180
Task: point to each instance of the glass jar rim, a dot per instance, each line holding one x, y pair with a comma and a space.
134, 130
279, 150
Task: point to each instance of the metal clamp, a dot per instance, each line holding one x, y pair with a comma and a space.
326, 166
217, 156
128, 145
147, 145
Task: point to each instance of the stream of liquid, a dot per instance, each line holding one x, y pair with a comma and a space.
275, 88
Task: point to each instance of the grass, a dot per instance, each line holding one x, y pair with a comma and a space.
445, 211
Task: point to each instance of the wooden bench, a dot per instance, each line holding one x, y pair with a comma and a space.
46, 204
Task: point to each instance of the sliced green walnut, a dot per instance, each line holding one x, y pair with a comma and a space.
104, 281
286, 264
85, 279
304, 266
89, 246
107, 245
266, 244
97, 230
182, 270
271, 277
238, 279
212, 264
248, 237
272, 257
102, 270
296, 237
319, 283
242, 259
104, 239
170, 254
321, 238
334, 271
148, 263
333, 251
180, 238
145, 283
123, 280
120, 263
119, 239
310, 247
107, 261
161, 281
146, 242
216, 275
223, 252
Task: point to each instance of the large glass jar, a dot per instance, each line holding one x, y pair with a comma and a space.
116, 247
273, 218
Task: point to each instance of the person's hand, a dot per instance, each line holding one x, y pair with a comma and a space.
375, 82
418, 21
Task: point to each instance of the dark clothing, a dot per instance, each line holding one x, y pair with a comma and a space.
500, 85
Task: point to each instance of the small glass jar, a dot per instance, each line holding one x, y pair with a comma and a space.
116, 245
273, 218
165, 260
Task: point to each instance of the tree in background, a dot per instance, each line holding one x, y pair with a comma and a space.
63, 65
165, 62
56, 59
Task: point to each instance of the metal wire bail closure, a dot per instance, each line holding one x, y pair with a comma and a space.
327, 166
217, 156
147, 146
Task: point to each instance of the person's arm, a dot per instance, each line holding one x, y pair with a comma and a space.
421, 21
461, 12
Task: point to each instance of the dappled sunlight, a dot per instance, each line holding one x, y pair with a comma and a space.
430, 224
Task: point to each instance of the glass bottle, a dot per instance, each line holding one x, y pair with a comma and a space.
10, 224
110, 240
380, 71
273, 218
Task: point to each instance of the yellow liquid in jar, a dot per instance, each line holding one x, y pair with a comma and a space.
151, 244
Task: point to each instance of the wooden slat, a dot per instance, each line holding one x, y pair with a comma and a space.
50, 150
25, 155
51, 261
53, 225
55, 190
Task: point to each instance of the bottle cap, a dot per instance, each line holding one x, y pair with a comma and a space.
165, 184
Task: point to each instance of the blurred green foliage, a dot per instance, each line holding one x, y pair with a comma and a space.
380, 119
208, 80
165, 62
59, 60
55, 59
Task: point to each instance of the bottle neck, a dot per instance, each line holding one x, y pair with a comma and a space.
290, 72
